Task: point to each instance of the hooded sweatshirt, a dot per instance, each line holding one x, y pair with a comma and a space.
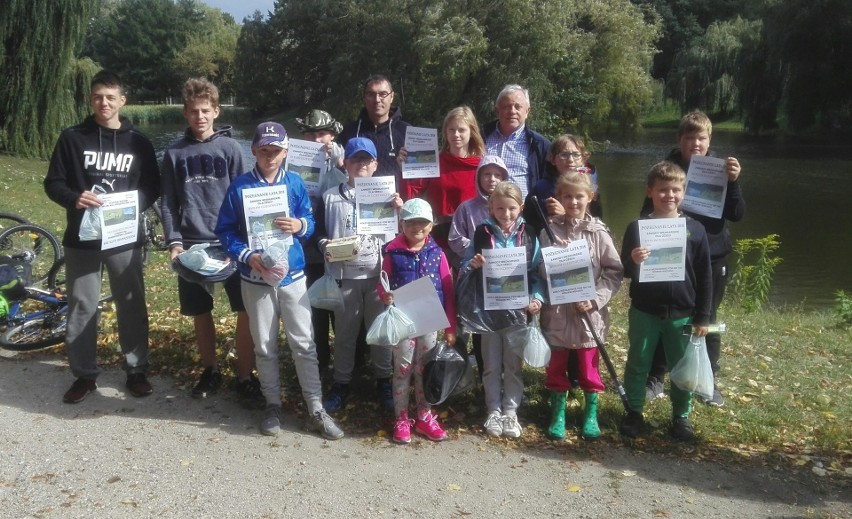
388, 137
472, 212
195, 177
118, 160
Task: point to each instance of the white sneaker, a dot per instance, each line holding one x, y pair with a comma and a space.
511, 427
493, 424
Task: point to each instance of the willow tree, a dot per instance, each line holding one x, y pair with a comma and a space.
44, 83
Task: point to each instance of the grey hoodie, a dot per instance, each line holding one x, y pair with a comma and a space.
472, 212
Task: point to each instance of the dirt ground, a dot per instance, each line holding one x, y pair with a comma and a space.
169, 455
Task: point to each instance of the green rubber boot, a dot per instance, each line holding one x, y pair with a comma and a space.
557, 415
590, 422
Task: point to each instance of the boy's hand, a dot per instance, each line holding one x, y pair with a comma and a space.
534, 307
174, 251
450, 338
387, 299
477, 261
396, 201
401, 155
256, 263
88, 199
639, 254
732, 168
291, 225
554, 207
699, 331
584, 306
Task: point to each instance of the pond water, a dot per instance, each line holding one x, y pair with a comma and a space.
799, 191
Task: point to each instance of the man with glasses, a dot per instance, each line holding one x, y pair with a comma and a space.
523, 150
380, 123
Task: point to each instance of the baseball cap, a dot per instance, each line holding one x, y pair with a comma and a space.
359, 144
416, 209
270, 133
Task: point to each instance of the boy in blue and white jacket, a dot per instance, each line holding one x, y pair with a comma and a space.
288, 301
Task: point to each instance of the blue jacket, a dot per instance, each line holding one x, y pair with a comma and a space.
537, 158
231, 225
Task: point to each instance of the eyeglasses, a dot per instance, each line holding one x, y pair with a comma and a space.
380, 95
570, 156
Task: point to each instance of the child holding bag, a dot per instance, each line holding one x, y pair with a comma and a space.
563, 325
502, 376
410, 256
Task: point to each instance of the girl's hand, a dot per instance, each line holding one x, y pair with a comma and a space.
401, 155
699, 331
387, 299
477, 261
450, 338
291, 225
732, 168
396, 201
639, 254
584, 306
534, 307
554, 207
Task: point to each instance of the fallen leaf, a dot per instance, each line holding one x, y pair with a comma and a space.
628, 473
382, 433
114, 479
452, 487
819, 471
186, 463
573, 488
131, 502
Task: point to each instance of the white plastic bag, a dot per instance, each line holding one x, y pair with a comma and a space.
325, 293
693, 372
275, 259
528, 343
392, 325
90, 225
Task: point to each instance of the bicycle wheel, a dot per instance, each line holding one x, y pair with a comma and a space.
10, 220
33, 245
56, 276
48, 329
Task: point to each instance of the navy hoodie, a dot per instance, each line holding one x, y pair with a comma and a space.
117, 160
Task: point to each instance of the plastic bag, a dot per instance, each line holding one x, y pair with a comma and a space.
470, 304
90, 225
325, 293
528, 343
443, 369
693, 372
275, 259
194, 257
392, 325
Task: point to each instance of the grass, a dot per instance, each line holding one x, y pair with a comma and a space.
668, 116
786, 372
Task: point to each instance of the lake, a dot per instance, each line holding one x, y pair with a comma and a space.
799, 191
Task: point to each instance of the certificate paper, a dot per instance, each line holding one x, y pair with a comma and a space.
374, 205
262, 205
307, 159
419, 301
706, 186
569, 273
422, 147
666, 239
119, 218
504, 277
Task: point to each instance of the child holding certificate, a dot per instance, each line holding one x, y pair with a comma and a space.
562, 324
410, 256
502, 376
660, 308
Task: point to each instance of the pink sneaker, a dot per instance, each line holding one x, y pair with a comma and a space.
402, 429
429, 427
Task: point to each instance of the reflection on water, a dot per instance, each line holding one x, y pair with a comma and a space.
798, 191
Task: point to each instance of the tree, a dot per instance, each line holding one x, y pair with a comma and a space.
46, 85
210, 51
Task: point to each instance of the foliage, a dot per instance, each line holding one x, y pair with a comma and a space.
210, 52
585, 62
254, 59
46, 84
755, 264
843, 307
173, 114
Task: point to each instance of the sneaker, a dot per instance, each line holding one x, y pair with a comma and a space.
654, 389
717, 401
429, 427
682, 429
322, 423
138, 385
402, 429
493, 424
249, 393
385, 392
631, 424
80, 389
271, 423
336, 397
208, 384
511, 427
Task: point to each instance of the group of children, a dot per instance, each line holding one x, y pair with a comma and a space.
491, 218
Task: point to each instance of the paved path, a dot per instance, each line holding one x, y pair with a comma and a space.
171, 456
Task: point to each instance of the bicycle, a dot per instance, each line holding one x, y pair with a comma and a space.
33, 245
10, 220
152, 221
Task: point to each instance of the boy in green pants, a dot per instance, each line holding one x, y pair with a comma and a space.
660, 309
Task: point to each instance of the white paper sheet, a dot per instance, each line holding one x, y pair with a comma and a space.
422, 147
419, 301
666, 238
504, 278
569, 273
706, 186
119, 218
